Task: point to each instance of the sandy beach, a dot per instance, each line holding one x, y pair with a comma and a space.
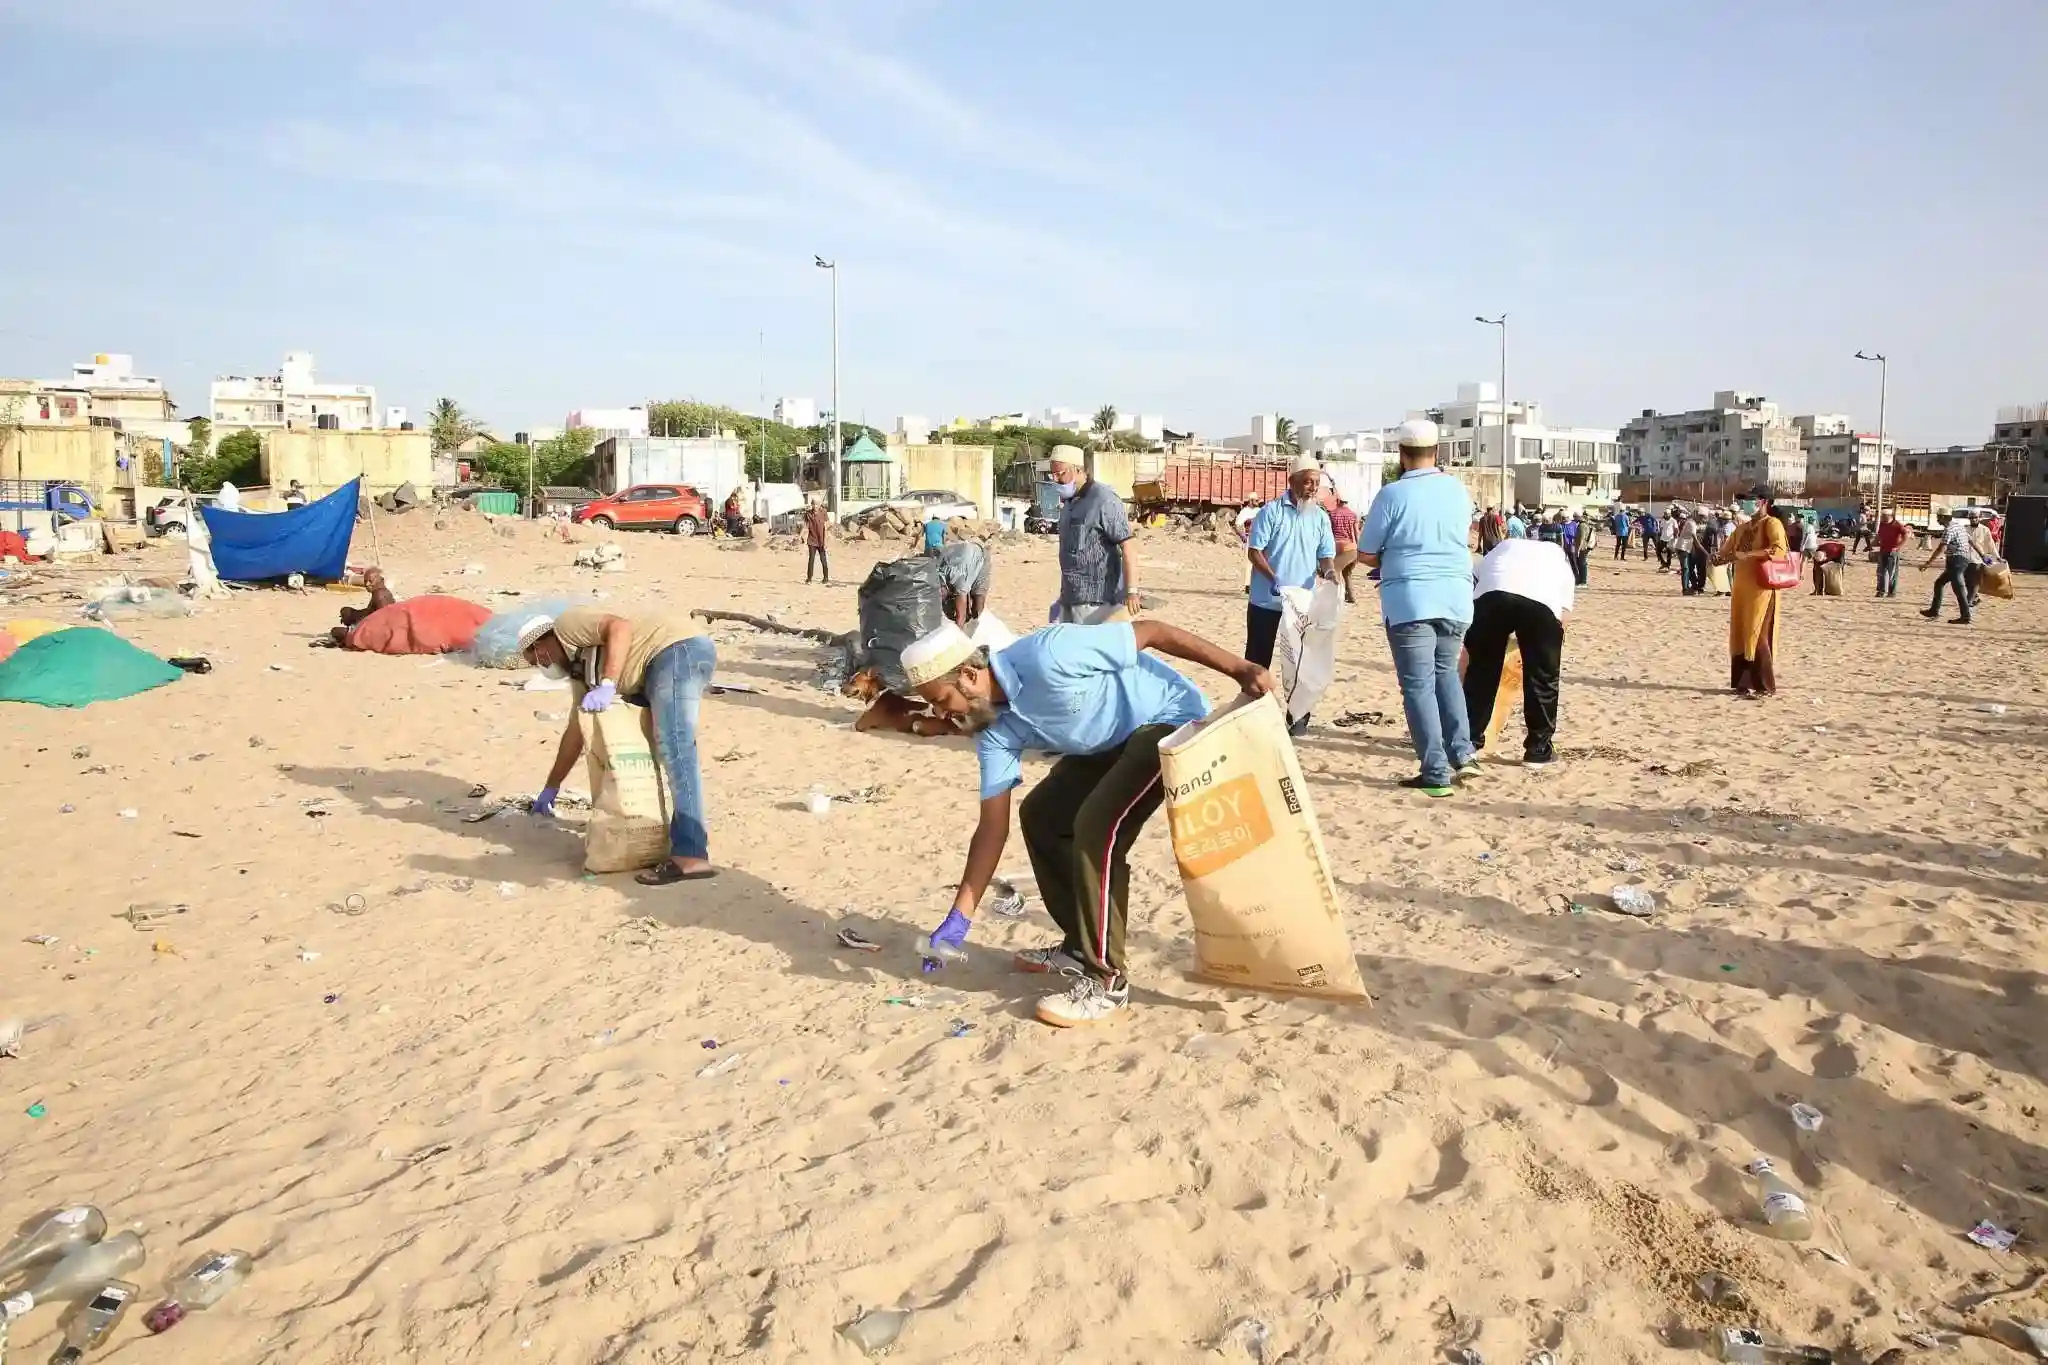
557, 1118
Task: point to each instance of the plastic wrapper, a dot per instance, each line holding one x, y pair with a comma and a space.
497, 640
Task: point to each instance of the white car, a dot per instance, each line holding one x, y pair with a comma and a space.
942, 503
174, 513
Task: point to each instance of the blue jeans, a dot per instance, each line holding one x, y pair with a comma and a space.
1426, 662
675, 685
1887, 573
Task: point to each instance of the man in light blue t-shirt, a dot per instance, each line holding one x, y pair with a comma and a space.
1290, 546
1093, 695
1417, 533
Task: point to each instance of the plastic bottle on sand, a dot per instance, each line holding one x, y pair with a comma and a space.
1747, 1346
1784, 1208
95, 1321
205, 1283
60, 1233
83, 1270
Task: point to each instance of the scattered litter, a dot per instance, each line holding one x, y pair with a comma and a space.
280, 668
1720, 1290
2037, 1337
709, 1045
539, 683
507, 890
1543, 1358
37, 1110
353, 904
474, 571
1558, 978
1633, 901
876, 1331
719, 1067
1807, 1118
1968, 1097
11, 1031
479, 792
143, 918
859, 942
817, 803
1820, 729
308, 955
426, 1153
1837, 1257
128, 812
41, 940
1729, 967
66, 808
1216, 1045
329, 999
1627, 862
1008, 901
960, 1028
1252, 1335
1352, 719
1469, 1355
604, 1036
255, 741
909, 1002
551, 715
163, 947
477, 817
1993, 708
1989, 1235
318, 813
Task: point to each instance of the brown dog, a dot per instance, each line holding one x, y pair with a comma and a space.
887, 711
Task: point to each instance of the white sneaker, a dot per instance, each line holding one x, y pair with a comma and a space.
1045, 961
1090, 1000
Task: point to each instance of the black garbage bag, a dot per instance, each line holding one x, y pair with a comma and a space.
901, 600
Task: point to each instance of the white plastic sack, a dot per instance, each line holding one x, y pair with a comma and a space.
1305, 651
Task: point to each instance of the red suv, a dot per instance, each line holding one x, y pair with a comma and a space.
645, 506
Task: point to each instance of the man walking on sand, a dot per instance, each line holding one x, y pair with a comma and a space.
1292, 545
814, 541
1098, 566
1956, 549
1344, 529
1890, 540
1093, 695
1415, 534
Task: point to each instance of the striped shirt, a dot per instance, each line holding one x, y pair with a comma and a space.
1956, 539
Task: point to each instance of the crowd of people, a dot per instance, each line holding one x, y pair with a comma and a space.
1088, 688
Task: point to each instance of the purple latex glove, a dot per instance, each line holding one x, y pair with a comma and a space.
601, 696
544, 804
953, 933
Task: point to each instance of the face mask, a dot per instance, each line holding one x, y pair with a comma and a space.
1067, 490
553, 672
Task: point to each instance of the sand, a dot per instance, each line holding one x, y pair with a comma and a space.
499, 1140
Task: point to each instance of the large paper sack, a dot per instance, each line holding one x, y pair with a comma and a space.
1305, 650
628, 826
1717, 580
1505, 696
1251, 856
1997, 580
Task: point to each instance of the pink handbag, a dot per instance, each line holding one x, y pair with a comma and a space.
1779, 571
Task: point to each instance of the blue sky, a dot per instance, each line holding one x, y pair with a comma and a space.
1295, 206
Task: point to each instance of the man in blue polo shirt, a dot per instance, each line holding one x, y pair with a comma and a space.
1091, 694
1291, 545
1417, 534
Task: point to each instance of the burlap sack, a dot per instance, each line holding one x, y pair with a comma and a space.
1506, 697
1997, 580
1251, 856
628, 826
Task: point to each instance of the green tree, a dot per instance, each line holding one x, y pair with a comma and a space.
1283, 436
237, 459
449, 425
1105, 423
199, 439
562, 462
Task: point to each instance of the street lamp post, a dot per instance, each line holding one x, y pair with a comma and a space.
1883, 382
832, 456
1506, 492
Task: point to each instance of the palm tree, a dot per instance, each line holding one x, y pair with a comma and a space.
449, 425
1105, 422
1283, 436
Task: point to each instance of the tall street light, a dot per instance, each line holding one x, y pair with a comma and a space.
1883, 378
1506, 496
832, 456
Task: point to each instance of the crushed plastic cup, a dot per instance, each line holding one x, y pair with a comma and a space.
876, 1330
1633, 901
1807, 1118
1217, 1045
1250, 1334
818, 802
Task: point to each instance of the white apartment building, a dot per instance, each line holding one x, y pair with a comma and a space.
794, 412
1838, 457
1149, 426
1742, 438
609, 421
1476, 428
1068, 419
291, 398
915, 428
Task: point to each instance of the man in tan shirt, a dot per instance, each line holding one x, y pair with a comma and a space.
660, 660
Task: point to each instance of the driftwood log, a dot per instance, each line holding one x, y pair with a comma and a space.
843, 639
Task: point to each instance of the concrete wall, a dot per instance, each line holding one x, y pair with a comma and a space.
967, 470
325, 460
78, 454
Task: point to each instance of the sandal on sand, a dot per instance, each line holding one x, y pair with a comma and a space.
666, 873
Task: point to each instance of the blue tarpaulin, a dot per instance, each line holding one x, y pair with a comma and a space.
311, 540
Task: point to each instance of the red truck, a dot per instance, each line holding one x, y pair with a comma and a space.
1197, 486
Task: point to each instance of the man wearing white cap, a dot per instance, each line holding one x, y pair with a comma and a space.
1098, 565
1093, 695
1291, 545
1418, 533
659, 660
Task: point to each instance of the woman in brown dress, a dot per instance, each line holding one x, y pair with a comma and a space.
1753, 608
